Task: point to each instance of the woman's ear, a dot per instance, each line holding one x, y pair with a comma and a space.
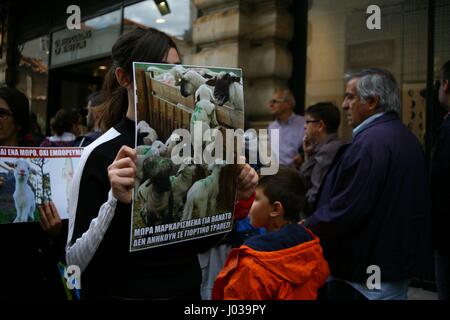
122, 78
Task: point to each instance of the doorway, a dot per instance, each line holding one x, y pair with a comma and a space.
70, 86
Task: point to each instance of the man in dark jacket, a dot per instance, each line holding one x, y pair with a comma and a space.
440, 177
372, 215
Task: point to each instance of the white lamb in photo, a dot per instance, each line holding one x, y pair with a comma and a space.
202, 196
171, 142
186, 175
24, 198
151, 135
143, 152
204, 113
171, 76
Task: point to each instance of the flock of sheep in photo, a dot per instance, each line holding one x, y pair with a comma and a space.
166, 192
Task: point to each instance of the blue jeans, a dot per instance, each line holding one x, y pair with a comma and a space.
442, 265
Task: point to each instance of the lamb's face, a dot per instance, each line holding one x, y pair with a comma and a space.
186, 88
204, 93
221, 90
154, 167
22, 170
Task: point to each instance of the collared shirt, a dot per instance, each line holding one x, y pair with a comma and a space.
366, 122
318, 163
291, 138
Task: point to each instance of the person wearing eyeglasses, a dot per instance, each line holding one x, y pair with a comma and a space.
289, 124
320, 145
30, 251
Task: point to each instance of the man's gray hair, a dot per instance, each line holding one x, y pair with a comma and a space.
375, 82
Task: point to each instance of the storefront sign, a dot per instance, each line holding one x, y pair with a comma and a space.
96, 37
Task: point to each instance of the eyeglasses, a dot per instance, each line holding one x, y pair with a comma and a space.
273, 101
312, 121
5, 113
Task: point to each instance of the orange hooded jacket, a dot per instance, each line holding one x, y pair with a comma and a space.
262, 269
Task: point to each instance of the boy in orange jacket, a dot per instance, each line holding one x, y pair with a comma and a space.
286, 263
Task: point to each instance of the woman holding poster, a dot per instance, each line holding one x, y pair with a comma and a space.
29, 251
100, 218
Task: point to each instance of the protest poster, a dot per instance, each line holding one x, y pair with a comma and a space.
33, 176
185, 185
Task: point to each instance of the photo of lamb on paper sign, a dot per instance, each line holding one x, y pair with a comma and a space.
199, 100
27, 183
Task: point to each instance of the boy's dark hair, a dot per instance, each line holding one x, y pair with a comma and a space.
286, 187
144, 45
445, 71
328, 113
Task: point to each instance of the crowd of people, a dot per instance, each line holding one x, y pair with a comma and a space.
335, 210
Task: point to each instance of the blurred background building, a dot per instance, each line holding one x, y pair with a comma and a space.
307, 45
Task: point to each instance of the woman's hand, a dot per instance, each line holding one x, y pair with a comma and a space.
50, 220
121, 174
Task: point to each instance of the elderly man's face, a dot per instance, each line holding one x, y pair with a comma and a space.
279, 105
355, 110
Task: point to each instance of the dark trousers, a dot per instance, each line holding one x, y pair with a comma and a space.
442, 265
340, 290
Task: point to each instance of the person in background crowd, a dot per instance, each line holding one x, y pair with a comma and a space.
35, 130
95, 109
100, 222
79, 122
320, 145
439, 180
289, 124
62, 125
373, 211
29, 251
286, 263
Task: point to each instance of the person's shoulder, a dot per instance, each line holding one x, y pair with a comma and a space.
289, 236
45, 143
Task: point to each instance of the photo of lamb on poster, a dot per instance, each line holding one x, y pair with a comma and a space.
30, 177
185, 111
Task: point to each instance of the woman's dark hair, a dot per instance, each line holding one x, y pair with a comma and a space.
286, 187
144, 45
62, 121
20, 108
